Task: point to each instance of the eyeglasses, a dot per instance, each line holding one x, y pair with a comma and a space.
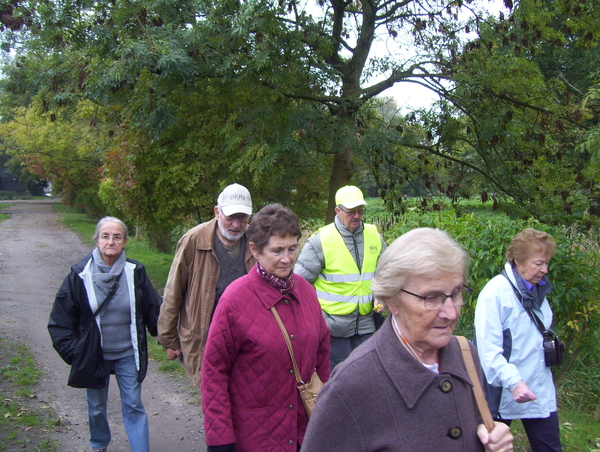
434, 301
352, 213
117, 238
240, 217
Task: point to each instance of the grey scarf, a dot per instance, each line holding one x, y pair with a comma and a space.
103, 275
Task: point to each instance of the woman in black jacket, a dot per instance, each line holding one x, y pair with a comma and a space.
98, 326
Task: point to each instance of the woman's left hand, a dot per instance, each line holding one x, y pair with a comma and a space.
498, 440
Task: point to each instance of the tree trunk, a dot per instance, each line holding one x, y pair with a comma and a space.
341, 173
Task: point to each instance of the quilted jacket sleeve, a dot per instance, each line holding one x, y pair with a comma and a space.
219, 356
323, 362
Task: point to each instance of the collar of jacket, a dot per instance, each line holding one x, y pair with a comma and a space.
344, 231
409, 376
206, 240
530, 298
266, 293
80, 266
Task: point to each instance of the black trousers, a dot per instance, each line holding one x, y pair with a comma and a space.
543, 433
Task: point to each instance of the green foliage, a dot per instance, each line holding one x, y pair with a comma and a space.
573, 271
80, 223
67, 152
579, 431
579, 389
147, 109
157, 263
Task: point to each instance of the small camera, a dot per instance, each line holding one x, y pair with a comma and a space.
554, 348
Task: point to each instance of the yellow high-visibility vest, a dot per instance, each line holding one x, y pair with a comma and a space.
341, 286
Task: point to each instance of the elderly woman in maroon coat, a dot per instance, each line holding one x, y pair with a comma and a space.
249, 394
407, 388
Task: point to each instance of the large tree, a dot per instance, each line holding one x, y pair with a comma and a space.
511, 121
320, 60
304, 79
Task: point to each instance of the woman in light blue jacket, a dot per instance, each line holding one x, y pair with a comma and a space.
509, 341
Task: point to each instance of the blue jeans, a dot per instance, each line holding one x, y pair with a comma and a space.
341, 347
134, 415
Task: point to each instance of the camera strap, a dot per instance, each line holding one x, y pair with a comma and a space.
532, 315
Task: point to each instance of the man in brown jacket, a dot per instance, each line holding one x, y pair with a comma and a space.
208, 258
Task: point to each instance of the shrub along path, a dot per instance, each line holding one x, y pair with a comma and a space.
36, 252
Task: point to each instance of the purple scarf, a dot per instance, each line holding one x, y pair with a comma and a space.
283, 285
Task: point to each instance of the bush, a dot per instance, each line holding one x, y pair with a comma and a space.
88, 202
573, 272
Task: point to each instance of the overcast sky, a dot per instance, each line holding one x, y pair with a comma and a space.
411, 95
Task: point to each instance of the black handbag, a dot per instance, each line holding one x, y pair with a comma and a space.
87, 367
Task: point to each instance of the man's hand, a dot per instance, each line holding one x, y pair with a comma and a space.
173, 354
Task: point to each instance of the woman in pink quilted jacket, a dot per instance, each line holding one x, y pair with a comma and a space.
249, 394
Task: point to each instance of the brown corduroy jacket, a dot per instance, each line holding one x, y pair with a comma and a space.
189, 298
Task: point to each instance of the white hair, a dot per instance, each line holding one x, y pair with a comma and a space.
422, 252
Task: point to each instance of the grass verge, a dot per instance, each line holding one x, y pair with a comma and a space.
22, 419
4, 216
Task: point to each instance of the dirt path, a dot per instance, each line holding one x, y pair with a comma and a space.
36, 252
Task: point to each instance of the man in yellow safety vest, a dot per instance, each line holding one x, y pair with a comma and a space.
340, 261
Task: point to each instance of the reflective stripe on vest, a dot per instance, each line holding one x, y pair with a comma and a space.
341, 286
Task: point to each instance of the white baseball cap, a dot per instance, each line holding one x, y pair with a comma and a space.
235, 199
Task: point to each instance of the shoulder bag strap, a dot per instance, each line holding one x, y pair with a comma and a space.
532, 315
477, 391
289, 345
104, 303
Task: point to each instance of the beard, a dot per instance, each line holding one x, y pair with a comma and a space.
228, 235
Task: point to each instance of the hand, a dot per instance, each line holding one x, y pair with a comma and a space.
498, 440
522, 394
173, 354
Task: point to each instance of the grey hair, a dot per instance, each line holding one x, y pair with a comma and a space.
425, 252
106, 220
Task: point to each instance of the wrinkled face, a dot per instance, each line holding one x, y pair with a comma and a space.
111, 241
427, 331
278, 256
534, 267
351, 218
231, 228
